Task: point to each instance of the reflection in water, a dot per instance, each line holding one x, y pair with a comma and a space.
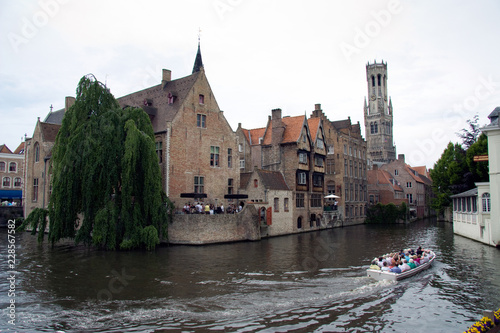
306, 282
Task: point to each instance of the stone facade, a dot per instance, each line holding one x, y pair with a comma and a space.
197, 149
346, 167
378, 115
11, 174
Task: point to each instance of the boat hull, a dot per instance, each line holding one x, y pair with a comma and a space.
379, 275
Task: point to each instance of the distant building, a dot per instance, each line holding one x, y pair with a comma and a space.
11, 174
346, 167
413, 184
38, 186
384, 188
476, 213
272, 197
378, 113
294, 147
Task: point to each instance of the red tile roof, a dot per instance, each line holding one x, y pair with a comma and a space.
4, 149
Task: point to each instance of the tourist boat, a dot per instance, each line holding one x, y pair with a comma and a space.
380, 275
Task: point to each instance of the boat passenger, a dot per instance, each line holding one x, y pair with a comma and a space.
385, 267
396, 269
404, 266
412, 264
419, 250
374, 265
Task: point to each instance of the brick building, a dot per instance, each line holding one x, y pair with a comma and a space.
11, 174
384, 188
413, 184
196, 147
346, 166
294, 146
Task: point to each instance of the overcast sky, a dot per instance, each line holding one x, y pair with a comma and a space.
442, 57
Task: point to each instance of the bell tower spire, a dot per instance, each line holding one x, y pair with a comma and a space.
198, 63
378, 115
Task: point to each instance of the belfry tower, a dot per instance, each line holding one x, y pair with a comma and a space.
378, 115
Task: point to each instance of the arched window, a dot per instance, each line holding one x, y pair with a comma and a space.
2, 166
17, 182
372, 129
375, 127
37, 152
6, 182
299, 222
486, 203
373, 81
12, 167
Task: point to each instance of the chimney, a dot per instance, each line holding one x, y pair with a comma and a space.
68, 102
401, 157
317, 106
278, 128
166, 76
276, 114
317, 111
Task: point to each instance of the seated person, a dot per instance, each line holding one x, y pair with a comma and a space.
412, 264
374, 265
385, 267
396, 269
404, 266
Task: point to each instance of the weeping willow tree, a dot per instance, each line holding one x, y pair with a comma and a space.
106, 180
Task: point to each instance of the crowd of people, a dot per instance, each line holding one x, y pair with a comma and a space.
201, 208
402, 261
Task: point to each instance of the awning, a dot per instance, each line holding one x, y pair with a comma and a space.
11, 194
236, 196
193, 195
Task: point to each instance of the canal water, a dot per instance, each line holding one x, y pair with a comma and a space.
311, 282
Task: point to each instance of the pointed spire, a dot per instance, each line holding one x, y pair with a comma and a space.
198, 63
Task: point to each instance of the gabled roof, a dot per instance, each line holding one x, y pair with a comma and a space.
20, 149
293, 129
422, 170
55, 117
384, 177
413, 173
270, 180
253, 135
314, 127
160, 110
4, 149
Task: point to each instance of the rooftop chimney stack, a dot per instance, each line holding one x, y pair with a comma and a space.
166, 76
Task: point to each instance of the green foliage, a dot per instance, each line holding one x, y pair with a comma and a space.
389, 213
479, 170
106, 180
449, 176
470, 135
37, 221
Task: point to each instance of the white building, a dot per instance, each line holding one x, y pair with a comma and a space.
476, 213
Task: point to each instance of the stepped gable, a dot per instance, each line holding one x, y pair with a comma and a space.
155, 100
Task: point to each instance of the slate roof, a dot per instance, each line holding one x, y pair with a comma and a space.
160, 111
55, 117
271, 180
469, 193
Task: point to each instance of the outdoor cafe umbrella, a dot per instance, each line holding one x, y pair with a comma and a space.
332, 196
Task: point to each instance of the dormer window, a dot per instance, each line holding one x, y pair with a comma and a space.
171, 98
148, 102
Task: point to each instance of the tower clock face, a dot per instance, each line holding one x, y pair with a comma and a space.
373, 97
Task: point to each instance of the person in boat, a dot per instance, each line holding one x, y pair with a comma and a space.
416, 259
411, 263
374, 265
396, 269
404, 266
385, 267
419, 250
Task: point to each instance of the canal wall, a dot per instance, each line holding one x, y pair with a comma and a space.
9, 213
197, 229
